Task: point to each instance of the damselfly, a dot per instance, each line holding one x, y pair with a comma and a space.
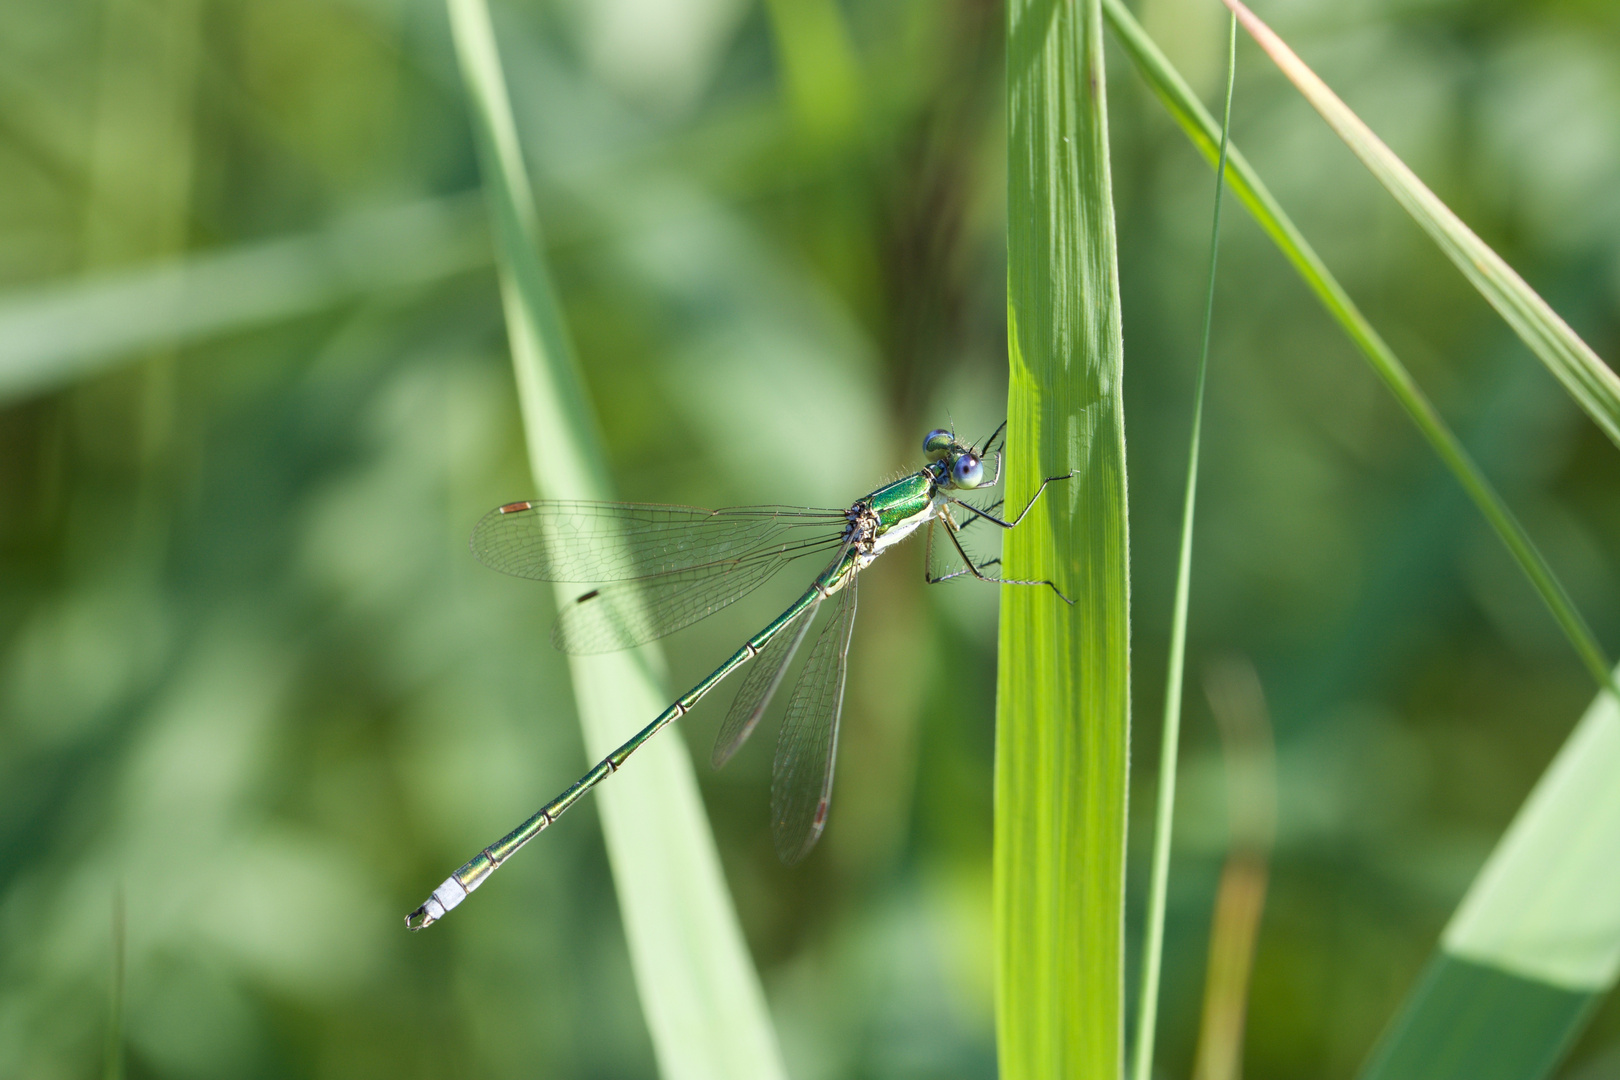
656, 569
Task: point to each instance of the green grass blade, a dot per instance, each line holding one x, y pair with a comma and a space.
1164, 815
1063, 686
1587, 379
1194, 119
1536, 942
702, 998
53, 334
1248, 754
112, 1066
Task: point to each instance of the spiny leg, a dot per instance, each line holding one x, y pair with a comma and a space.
929, 575
964, 572
985, 446
992, 519
992, 508
977, 570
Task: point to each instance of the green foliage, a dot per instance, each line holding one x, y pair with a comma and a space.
1584, 375
1063, 681
1535, 944
1196, 121
1536, 939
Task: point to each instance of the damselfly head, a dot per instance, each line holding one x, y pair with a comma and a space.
938, 443
959, 466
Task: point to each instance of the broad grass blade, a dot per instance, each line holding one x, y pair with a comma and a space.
703, 1002
1063, 685
1589, 381
1536, 942
51, 335
1173, 91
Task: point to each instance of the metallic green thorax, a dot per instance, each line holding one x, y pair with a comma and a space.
903, 499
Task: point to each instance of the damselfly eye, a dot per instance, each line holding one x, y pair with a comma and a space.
967, 471
937, 443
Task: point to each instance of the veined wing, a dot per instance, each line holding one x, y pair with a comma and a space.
764, 676
801, 779
630, 612
603, 541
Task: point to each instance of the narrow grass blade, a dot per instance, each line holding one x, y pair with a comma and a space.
53, 334
1589, 381
1184, 107
1063, 687
1164, 816
702, 999
1536, 942
112, 1066
1248, 752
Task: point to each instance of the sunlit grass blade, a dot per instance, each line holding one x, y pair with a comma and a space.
53, 334
1170, 740
702, 999
1194, 119
1589, 381
1063, 686
1536, 942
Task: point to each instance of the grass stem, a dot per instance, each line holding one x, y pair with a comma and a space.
1164, 817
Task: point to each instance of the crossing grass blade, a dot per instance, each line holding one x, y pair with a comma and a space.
1536, 942
1174, 93
704, 1006
1585, 376
1063, 685
53, 334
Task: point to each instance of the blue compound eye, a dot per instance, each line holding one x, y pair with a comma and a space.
967, 471
937, 443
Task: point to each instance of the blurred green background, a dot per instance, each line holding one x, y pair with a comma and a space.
254, 394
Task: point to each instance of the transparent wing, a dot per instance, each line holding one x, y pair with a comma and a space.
801, 780
757, 689
601, 542
631, 612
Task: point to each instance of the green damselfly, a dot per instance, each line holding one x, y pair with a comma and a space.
657, 569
